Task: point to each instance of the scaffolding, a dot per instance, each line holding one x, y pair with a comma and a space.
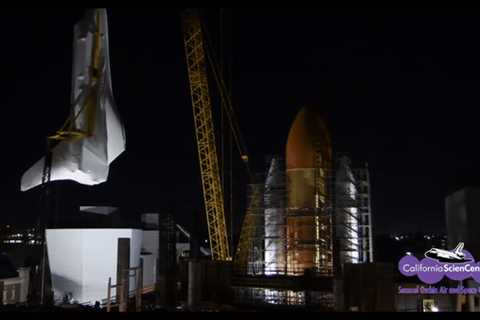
362, 176
278, 236
167, 261
279, 242
275, 244
353, 213
249, 256
346, 213
302, 225
283, 297
310, 215
262, 247
269, 296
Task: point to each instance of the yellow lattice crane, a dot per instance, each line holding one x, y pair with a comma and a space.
205, 135
198, 58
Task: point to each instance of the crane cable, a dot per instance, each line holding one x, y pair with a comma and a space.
226, 137
227, 103
222, 119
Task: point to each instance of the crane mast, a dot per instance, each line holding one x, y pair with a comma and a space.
205, 135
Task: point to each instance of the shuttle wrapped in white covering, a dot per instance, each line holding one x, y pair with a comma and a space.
95, 135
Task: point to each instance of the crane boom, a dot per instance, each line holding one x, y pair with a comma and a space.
205, 135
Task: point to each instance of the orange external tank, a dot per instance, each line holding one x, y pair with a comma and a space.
308, 165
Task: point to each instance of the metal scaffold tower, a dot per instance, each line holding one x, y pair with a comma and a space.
262, 246
250, 247
287, 241
309, 226
353, 212
362, 176
275, 218
294, 245
275, 233
347, 219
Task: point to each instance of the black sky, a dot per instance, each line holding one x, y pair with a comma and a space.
400, 89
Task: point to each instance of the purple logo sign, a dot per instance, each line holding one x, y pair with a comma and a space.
457, 264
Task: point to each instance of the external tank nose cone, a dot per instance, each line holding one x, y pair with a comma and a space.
307, 135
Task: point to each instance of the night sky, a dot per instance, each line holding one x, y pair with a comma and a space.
400, 89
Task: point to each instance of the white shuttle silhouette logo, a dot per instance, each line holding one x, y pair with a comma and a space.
454, 256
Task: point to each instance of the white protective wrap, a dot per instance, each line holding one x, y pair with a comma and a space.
86, 160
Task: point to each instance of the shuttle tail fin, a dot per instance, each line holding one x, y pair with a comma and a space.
459, 248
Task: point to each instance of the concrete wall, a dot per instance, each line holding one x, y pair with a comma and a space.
82, 260
369, 287
150, 244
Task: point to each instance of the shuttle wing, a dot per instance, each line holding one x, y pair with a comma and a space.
94, 113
